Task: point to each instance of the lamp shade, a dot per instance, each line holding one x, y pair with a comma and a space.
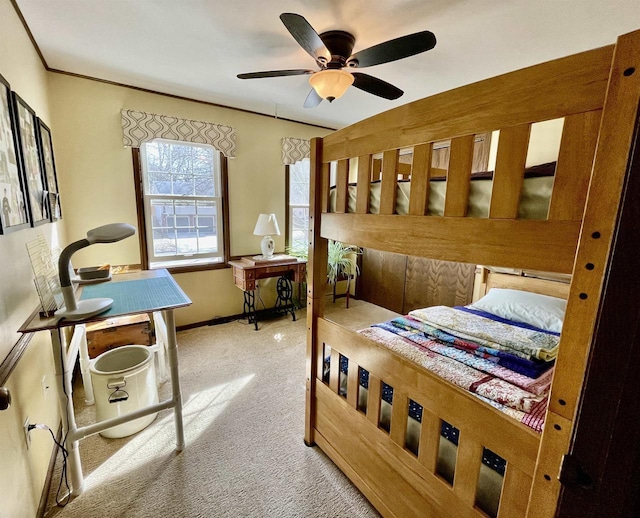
266, 225
331, 83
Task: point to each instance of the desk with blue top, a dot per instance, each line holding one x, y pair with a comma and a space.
138, 292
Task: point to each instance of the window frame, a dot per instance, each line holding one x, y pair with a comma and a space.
289, 208
142, 226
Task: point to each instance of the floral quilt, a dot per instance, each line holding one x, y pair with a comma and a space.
521, 397
490, 335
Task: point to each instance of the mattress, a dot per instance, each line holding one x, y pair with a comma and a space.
534, 199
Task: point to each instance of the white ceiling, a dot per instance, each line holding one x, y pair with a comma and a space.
195, 48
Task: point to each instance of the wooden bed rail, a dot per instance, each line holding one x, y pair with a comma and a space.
536, 245
441, 401
575, 93
570, 187
575, 84
548, 245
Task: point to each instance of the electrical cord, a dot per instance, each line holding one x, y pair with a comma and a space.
63, 474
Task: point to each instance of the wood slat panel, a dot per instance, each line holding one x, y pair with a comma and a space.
352, 385
320, 361
389, 181
429, 440
393, 473
547, 91
468, 462
514, 282
373, 400
382, 278
339, 460
515, 491
573, 170
509, 174
537, 245
326, 177
376, 170
459, 176
364, 185
482, 423
342, 186
420, 175
334, 370
437, 283
399, 415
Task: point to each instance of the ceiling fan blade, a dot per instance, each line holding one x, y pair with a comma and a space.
312, 100
375, 86
275, 73
305, 35
395, 49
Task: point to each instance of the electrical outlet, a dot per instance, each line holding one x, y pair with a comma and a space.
27, 432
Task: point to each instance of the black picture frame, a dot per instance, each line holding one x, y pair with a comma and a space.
48, 165
14, 212
30, 158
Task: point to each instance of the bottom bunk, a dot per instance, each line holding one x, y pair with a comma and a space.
414, 443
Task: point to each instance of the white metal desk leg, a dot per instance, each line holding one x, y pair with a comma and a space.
172, 351
65, 401
80, 334
161, 343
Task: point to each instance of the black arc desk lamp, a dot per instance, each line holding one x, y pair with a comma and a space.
78, 309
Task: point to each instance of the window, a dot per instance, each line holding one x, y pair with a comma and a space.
298, 204
184, 205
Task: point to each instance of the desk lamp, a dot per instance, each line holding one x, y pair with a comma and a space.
77, 310
265, 226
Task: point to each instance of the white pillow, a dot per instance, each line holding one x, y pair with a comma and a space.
541, 311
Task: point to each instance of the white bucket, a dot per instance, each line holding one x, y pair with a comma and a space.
124, 380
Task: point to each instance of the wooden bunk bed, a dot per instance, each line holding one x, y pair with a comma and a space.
597, 93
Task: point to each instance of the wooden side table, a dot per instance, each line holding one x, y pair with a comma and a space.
248, 270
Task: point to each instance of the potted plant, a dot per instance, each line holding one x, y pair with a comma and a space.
341, 260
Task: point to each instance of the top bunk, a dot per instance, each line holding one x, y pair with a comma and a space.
402, 144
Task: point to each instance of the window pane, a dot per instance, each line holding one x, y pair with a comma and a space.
299, 226
182, 208
299, 183
298, 204
184, 227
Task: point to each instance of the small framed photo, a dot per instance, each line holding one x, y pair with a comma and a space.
45, 147
34, 174
15, 213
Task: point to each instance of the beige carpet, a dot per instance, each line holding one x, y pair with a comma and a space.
244, 394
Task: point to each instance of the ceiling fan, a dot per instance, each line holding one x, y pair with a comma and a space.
332, 53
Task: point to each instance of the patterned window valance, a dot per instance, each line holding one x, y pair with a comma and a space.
294, 150
139, 127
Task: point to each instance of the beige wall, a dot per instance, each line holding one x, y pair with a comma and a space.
97, 184
96, 187
22, 471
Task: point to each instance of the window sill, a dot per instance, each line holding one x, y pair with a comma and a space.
194, 268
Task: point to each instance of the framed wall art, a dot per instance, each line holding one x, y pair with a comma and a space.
45, 146
34, 174
14, 215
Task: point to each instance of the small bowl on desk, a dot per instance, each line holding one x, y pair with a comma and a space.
95, 273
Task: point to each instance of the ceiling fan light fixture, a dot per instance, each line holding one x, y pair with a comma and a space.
331, 83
